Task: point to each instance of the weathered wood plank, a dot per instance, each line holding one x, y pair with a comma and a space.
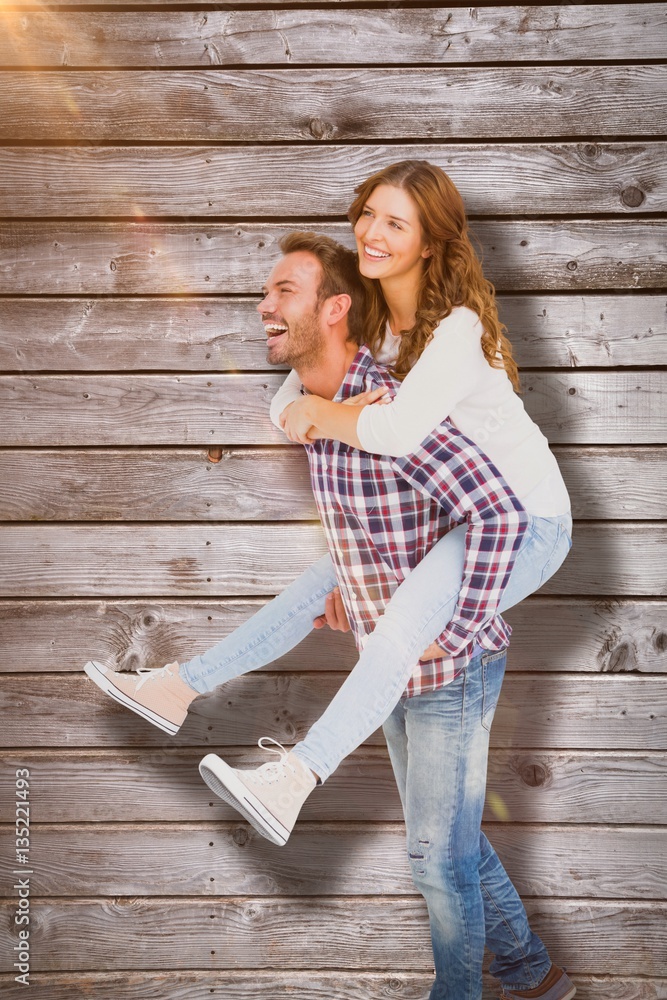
365, 933
217, 334
269, 484
313, 985
178, 334
556, 860
148, 4
624, 407
248, 560
183, 258
293, 105
618, 636
611, 636
292, 38
544, 711
60, 636
545, 178
173, 485
344, 859
187, 560
594, 410
615, 483
116, 409
525, 786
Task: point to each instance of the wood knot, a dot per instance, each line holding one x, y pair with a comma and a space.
571, 265
632, 197
533, 774
240, 836
131, 662
618, 658
591, 150
395, 986
660, 642
321, 130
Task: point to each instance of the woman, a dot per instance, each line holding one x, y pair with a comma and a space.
433, 319
430, 304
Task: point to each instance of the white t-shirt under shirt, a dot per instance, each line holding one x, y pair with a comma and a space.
452, 379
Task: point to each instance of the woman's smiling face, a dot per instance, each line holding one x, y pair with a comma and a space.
390, 237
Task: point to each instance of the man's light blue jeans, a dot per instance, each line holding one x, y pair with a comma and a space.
418, 612
438, 744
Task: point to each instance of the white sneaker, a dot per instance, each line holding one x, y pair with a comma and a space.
158, 695
270, 797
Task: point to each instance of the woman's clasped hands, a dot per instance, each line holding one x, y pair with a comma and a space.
299, 420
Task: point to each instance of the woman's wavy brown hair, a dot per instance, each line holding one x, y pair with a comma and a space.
452, 275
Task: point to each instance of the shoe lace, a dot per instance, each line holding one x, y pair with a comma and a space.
148, 674
273, 770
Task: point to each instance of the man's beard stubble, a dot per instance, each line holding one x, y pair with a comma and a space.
301, 347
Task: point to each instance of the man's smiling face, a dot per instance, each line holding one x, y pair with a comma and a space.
290, 311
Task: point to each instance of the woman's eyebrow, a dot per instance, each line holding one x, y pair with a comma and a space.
396, 218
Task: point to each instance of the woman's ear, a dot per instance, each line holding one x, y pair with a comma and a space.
427, 252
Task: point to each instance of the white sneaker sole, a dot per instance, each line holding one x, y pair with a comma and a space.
223, 780
103, 678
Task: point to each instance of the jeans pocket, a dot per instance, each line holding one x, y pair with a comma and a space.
493, 672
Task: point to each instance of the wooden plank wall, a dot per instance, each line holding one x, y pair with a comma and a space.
151, 155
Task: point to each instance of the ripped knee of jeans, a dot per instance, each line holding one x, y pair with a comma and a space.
418, 855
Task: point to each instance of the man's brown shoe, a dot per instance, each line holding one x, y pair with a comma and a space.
556, 985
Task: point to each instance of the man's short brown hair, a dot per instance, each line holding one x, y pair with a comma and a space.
340, 275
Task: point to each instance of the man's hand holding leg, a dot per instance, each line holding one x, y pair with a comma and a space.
334, 615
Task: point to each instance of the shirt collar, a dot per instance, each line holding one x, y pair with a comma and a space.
363, 366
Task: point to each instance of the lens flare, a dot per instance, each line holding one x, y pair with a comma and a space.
22, 34
497, 806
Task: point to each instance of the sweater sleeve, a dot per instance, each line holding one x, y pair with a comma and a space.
287, 393
445, 373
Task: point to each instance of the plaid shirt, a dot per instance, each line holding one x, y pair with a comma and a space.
381, 515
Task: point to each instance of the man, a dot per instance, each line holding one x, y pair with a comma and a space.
382, 516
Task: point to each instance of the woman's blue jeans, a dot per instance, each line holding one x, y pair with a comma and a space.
418, 612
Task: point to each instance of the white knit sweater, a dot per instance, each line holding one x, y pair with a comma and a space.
452, 379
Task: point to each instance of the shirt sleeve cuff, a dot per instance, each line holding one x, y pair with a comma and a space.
454, 639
